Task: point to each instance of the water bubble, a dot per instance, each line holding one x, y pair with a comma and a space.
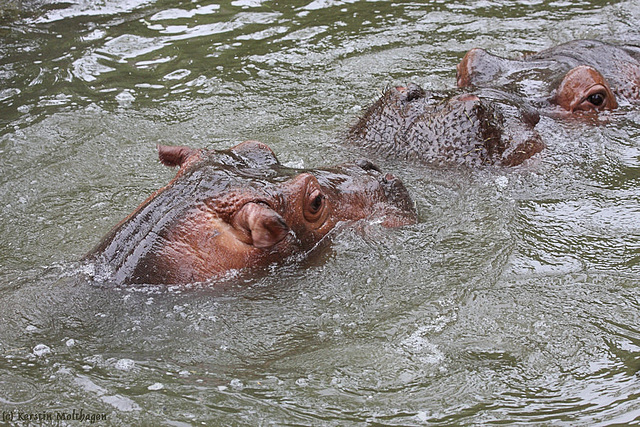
89, 67
125, 98
64, 371
155, 387
9, 93
246, 3
70, 342
41, 350
125, 365
94, 35
236, 384
177, 75
422, 416
502, 181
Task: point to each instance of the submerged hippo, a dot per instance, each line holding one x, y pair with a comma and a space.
241, 208
582, 75
410, 123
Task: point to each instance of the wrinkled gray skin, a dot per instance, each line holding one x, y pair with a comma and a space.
536, 77
409, 123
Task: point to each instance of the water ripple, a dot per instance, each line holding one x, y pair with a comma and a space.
515, 299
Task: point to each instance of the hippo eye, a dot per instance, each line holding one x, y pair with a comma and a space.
596, 99
314, 205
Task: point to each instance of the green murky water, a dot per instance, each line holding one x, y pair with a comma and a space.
516, 299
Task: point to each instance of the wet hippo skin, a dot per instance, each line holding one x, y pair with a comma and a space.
241, 209
581, 75
410, 123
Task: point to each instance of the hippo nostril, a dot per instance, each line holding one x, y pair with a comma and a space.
367, 165
388, 178
531, 117
410, 92
414, 92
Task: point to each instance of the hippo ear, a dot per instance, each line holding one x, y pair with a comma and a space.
261, 226
174, 156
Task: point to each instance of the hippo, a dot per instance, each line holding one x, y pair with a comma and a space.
236, 209
578, 76
472, 129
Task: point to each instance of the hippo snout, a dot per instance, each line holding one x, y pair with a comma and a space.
391, 185
389, 177
397, 195
530, 116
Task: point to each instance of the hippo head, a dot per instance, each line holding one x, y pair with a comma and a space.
411, 123
240, 208
579, 76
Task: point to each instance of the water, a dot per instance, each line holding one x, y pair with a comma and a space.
515, 299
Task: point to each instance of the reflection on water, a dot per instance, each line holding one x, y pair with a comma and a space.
514, 300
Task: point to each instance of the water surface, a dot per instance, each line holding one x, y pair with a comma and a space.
515, 299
